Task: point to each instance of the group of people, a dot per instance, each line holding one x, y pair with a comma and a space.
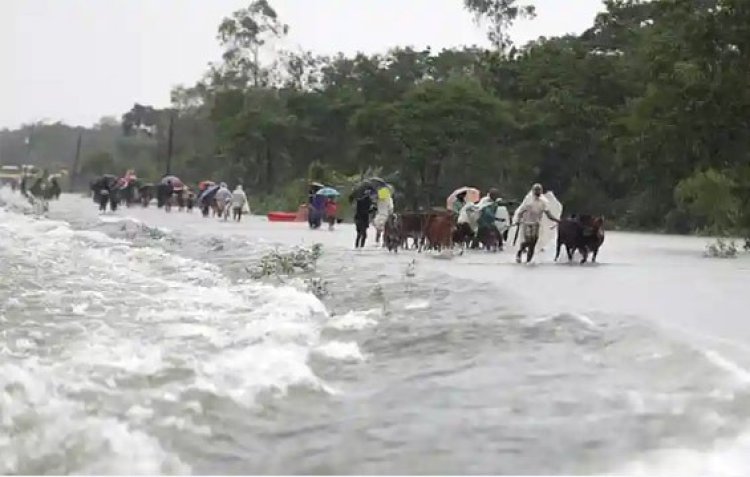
225, 201
321, 208
41, 190
372, 206
211, 198
169, 193
475, 222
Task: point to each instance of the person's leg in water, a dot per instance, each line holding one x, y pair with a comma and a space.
361, 233
239, 214
531, 237
524, 244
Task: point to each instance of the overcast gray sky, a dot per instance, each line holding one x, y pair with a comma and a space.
79, 60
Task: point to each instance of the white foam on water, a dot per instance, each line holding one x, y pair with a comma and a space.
354, 320
741, 375
730, 457
417, 305
112, 316
576, 317
339, 350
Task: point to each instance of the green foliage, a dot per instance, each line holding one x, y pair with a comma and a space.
500, 14
98, 164
709, 196
616, 121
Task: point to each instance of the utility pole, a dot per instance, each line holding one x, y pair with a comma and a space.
76, 161
170, 141
29, 141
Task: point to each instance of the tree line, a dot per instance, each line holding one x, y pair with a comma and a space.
642, 118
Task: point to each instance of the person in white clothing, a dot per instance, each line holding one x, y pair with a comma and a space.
222, 199
530, 215
239, 199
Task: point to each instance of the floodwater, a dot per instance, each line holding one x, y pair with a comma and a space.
138, 343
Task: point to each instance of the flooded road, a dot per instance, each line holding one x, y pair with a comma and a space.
138, 342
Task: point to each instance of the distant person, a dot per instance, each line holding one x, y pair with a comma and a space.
459, 204
223, 198
317, 211
385, 209
239, 200
103, 198
55, 189
362, 212
332, 209
190, 201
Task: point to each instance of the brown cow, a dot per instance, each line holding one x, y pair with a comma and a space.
439, 231
412, 227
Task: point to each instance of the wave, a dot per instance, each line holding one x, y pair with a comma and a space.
99, 335
728, 457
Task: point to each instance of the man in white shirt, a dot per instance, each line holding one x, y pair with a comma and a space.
530, 217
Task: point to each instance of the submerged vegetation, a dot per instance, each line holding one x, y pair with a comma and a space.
284, 264
282, 267
642, 117
722, 248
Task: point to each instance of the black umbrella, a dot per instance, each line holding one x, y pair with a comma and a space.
372, 183
104, 182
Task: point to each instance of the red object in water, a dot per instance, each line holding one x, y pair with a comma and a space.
282, 217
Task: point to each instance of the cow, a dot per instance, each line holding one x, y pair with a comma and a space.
584, 233
439, 231
490, 238
392, 235
464, 235
412, 227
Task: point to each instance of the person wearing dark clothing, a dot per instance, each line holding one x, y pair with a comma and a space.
362, 218
316, 211
103, 199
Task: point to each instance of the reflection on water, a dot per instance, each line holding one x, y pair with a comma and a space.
137, 343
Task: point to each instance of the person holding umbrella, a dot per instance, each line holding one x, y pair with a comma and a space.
330, 207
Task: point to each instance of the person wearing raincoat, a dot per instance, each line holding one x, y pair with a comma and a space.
459, 203
385, 209
239, 201
467, 224
529, 217
487, 217
317, 210
223, 197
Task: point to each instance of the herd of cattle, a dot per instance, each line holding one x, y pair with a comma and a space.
438, 230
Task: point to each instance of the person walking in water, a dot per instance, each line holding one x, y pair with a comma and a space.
222, 199
362, 218
239, 199
530, 218
385, 209
332, 209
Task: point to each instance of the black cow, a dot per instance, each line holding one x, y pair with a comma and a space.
584, 233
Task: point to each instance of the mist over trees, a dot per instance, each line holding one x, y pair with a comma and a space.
642, 118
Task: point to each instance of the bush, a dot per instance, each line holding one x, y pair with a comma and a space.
722, 249
709, 197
